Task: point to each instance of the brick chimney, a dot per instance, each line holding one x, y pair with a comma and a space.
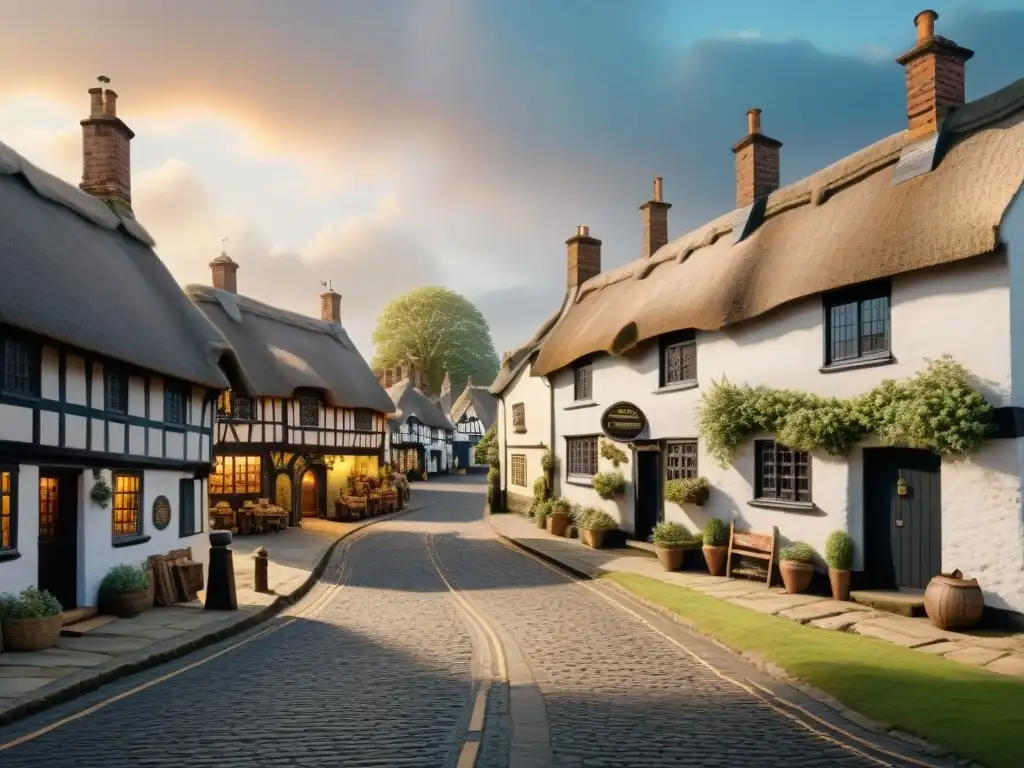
224, 273
934, 70
757, 162
106, 150
330, 306
654, 214
583, 257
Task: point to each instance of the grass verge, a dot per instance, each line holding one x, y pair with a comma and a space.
973, 713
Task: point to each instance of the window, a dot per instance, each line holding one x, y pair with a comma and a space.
8, 510
582, 456
236, 474
47, 509
583, 389
235, 406
518, 469
389, 378
681, 460
782, 473
20, 367
174, 403
518, 417
127, 504
364, 420
857, 325
117, 392
187, 517
309, 412
678, 358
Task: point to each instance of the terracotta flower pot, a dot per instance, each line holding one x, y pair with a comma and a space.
547, 523
840, 584
715, 558
559, 522
671, 557
954, 603
796, 576
31, 634
592, 539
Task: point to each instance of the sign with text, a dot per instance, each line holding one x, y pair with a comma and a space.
623, 422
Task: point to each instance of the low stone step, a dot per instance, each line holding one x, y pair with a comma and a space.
77, 614
80, 628
891, 601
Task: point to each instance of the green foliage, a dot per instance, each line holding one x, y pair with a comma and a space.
541, 512
561, 507
480, 450
593, 519
492, 455
540, 489
689, 490
935, 409
797, 552
122, 579
444, 331
493, 475
613, 453
839, 551
672, 535
716, 533
547, 460
608, 484
101, 491
32, 603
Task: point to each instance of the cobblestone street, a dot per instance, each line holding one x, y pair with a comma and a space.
381, 672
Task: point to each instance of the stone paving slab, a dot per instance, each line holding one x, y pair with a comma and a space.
32, 681
999, 654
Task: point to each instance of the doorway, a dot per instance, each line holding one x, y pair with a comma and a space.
310, 497
58, 535
647, 494
902, 517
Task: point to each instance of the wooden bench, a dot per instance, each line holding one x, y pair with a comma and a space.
761, 546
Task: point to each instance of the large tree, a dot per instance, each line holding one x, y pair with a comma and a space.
444, 331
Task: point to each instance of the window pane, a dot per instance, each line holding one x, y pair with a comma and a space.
874, 325
19, 368
673, 364
681, 460
767, 468
6, 507
583, 391
843, 331
47, 509
519, 470
127, 505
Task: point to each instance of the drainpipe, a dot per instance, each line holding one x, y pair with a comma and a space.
502, 493
551, 428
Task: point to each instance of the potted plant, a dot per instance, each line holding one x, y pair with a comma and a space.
30, 621
839, 556
716, 537
796, 563
541, 510
560, 509
671, 540
609, 484
593, 524
688, 490
124, 591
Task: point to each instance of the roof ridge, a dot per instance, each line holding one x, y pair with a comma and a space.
208, 293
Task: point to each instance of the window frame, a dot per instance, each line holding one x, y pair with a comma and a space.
34, 352
683, 472
679, 339
220, 473
517, 461
175, 391
307, 402
586, 369
777, 496
120, 376
11, 548
139, 493
519, 418
367, 424
858, 296
187, 504
592, 461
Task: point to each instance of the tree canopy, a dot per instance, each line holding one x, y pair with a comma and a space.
444, 331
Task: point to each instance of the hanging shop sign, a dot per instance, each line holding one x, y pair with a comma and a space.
623, 422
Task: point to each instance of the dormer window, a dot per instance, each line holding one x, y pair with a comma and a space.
309, 412
363, 420
678, 359
583, 385
117, 392
174, 403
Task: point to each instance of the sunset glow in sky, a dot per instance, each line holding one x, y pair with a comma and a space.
390, 144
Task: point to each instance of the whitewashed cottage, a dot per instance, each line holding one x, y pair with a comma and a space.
902, 253
421, 435
473, 414
108, 378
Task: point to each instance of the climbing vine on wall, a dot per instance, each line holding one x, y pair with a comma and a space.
936, 409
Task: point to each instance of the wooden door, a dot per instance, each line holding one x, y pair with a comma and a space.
902, 532
58, 536
647, 493
310, 498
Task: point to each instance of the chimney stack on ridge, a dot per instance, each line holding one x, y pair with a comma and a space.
654, 214
583, 257
757, 162
224, 273
106, 151
330, 306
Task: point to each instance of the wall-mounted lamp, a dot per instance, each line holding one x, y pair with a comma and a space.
901, 486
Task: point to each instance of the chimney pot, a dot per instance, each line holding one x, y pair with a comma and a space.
109, 103
757, 162
106, 150
925, 23
753, 121
95, 102
654, 215
657, 189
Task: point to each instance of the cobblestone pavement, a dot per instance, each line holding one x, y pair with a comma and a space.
383, 677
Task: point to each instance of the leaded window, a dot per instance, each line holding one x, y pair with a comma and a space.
20, 367
364, 420
8, 510
582, 453
782, 473
583, 387
47, 509
117, 392
681, 460
857, 325
127, 504
236, 475
518, 417
309, 412
679, 362
518, 476
174, 403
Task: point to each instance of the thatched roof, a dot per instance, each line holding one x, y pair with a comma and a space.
73, 270
278, 351
409, 401
844, 225
484, 404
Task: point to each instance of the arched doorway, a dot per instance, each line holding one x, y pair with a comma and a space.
283, 495
309, 498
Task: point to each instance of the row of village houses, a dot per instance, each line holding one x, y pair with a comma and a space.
904, 252
112, 377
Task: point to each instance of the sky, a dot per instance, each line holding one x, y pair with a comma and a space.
388, 144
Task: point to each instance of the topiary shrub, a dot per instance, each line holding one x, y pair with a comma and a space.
613, 453
609, 484
716, 533
797, 552
672, 536
839, 551
689, 490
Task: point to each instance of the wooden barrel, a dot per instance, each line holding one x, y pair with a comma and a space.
953, 603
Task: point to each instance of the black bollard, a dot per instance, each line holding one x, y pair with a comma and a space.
220, 585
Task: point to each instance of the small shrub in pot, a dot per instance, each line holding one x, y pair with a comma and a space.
715, 549
31, 620
839, 556
688, 490
593, 524
671, 540
796, 563
608, 485
124, 591
560, 516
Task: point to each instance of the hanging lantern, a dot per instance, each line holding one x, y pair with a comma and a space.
901, 486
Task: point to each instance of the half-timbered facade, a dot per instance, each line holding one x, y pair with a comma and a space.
421, 435
108, 379
473, 413
304, 412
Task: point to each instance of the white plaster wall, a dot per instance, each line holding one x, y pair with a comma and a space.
49, 382
97, 554
23, 572
535, 396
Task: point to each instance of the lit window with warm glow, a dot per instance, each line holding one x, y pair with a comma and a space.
127, 505
236, 474
7, 502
